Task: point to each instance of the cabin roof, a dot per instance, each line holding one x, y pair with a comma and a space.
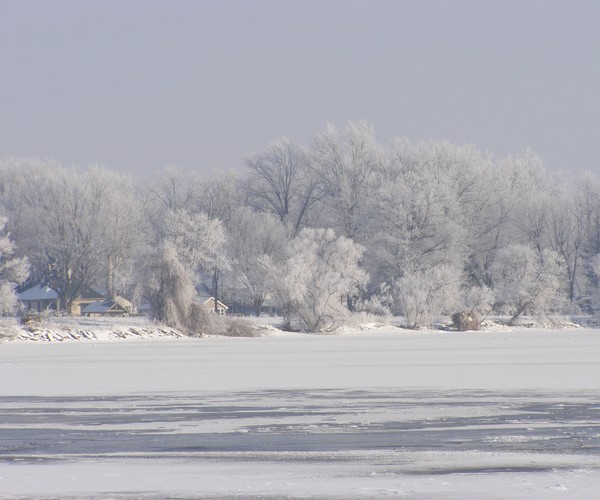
38, 292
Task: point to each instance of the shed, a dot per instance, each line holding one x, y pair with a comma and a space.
39, 298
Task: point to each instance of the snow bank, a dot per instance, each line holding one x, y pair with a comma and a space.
106, 334
82, 329
61, 329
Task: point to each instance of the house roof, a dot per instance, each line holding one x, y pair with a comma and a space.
204, 295
203, 299
38, 292
103, 307
43, 292
85, 292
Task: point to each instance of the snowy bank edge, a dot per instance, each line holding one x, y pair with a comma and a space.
13, 332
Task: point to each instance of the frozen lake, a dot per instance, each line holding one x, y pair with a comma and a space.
500, 414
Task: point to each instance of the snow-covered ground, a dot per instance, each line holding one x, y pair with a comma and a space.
78, 328
509, 413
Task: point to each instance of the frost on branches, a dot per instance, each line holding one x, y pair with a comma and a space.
319, 274
171, 289
192, 244
595, 271
13, 270
528, 282
255, 240
424, 294
445, 229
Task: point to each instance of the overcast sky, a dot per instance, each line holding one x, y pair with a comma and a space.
137, 84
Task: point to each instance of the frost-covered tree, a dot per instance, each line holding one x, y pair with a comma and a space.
588, 194
219, 196
199, 242
416, 208
514, 210
532, 190
281, 183
568, 238
435, 207
422, 295
526, 282
191, 245
348, 170
15, 176
69, 245
170, 289
595, 289
176, 190
547, 214
197, 239
13, 270
418, 227
255, 237
534, 220
122, 227
315, 280
86, 224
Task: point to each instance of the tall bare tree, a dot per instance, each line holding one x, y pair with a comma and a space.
281, 183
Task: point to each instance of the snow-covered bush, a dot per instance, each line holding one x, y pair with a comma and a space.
230, 327
422, 295
9, 329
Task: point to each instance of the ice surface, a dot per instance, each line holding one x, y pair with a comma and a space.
503, 414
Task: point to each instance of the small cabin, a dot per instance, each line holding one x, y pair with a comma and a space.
39, 298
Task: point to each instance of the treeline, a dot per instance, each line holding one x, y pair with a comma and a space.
342, 224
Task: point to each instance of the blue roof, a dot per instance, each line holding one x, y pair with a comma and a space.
103, 307
97, 307
38, 292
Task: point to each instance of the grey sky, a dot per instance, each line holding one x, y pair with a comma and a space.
138, 84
